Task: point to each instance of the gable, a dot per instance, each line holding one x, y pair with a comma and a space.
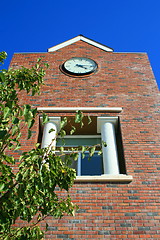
80, 38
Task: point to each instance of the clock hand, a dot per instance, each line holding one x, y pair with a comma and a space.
82, 66
85, 65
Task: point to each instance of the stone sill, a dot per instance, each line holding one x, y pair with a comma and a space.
105, 178
83, 109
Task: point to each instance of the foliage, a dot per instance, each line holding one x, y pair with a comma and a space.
30, 193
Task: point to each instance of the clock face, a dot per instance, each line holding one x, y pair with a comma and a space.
79, 66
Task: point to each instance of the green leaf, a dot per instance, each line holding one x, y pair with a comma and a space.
2, 76
37, 145
62, 133
37, 66
39, 217
51, 130
31, 123
38, 60
46, 65
28, 117
100, 152
89, 120
2, 185
78, 116
34, 112
61, 149
73, 130
92, 151
19, 135
6, 112
83, 149
2, 133
75, 156
47, 226
15, 120
26, 108
29, 134
63, 122
3, 56
45, 118
9, 159
104, 143
14, 130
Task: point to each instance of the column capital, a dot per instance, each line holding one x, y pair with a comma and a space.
55, 120
102, 120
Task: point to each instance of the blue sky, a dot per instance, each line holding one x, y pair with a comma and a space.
124, 25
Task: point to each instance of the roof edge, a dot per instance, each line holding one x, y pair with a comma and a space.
80, 38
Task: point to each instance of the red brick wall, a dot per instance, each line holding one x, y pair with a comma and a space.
108, 210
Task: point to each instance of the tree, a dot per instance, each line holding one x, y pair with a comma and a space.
30, 192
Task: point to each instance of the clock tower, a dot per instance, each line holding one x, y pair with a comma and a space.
117, 192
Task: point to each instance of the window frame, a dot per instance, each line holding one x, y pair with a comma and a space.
104, 177
79, 160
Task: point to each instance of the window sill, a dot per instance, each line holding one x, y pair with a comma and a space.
105, 178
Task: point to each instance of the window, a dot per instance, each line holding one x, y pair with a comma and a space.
110, 163
84, 166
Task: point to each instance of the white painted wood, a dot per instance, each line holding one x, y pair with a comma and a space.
96, 44
78, 38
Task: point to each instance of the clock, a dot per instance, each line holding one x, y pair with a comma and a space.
79, 66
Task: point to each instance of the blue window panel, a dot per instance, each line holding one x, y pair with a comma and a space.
92, 166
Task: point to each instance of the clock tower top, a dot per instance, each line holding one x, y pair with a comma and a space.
80, 38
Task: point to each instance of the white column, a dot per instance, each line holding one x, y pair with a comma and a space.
106, 126
50, 133
110, 157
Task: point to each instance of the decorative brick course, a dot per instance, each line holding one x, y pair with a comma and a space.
107, 210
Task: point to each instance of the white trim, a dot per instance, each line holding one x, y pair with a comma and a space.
102, 120
79, 164
78, 38
105, 178
83, 109
81, 136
